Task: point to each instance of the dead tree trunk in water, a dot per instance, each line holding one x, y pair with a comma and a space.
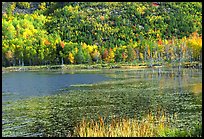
179, 66
201, 56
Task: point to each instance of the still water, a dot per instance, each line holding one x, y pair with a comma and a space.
18, 85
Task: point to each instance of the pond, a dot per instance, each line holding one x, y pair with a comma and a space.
19, 85
122, 92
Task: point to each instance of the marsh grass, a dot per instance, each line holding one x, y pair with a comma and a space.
149, 126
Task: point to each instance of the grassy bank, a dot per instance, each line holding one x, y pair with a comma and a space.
97, 66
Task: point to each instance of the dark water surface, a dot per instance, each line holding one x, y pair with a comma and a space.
18, 85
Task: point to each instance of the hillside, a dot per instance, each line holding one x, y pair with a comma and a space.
79, 32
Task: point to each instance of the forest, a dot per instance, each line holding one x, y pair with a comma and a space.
101, 32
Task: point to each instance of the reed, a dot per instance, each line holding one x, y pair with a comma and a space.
151, 125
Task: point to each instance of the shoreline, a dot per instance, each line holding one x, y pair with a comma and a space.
94, 67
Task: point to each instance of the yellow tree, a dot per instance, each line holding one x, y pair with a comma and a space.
111, 55
71, 58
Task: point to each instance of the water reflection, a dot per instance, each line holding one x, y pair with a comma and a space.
197, 89
171, 77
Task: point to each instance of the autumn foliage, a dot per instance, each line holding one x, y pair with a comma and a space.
75, 34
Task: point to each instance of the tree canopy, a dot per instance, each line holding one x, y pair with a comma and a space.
80, 32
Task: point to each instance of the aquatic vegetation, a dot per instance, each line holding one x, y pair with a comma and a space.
130, 93
149, 126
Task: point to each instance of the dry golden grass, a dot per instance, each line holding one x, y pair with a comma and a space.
197, 88
149, 126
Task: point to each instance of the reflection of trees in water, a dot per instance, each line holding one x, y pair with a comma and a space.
179, 81
197, 89
173, 78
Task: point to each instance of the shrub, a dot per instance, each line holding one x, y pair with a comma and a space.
42, 6
195, 44
79, 57
87, 57
105, 54
95, 55
111, 55
131, 53
118, 55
